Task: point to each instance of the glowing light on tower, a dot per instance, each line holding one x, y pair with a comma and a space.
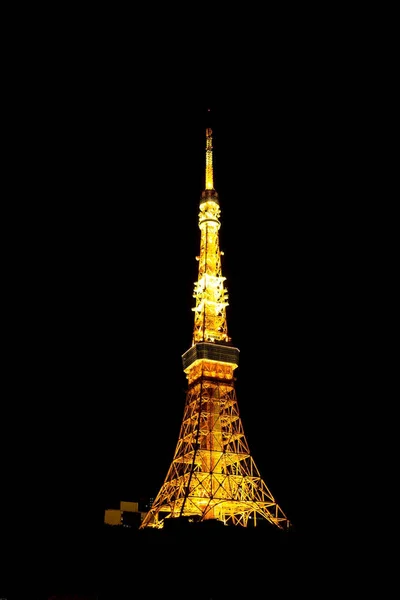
212, 474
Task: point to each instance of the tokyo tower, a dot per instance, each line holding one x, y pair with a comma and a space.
212, 475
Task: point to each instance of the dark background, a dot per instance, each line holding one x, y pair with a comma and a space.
102, 256
107, 280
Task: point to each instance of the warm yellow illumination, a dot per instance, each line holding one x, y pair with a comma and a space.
209, 161
211, 296
212, 474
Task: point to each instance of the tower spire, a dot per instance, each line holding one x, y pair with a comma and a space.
212, 475
209, 160
210, 324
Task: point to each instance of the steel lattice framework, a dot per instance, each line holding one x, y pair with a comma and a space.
212, 474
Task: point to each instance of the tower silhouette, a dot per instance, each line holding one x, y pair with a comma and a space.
212, 475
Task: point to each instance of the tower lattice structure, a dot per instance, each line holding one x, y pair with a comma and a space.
212, 474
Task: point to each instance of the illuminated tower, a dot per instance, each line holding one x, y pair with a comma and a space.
212, 474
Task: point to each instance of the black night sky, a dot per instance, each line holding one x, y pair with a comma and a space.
105, 278
118, 267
